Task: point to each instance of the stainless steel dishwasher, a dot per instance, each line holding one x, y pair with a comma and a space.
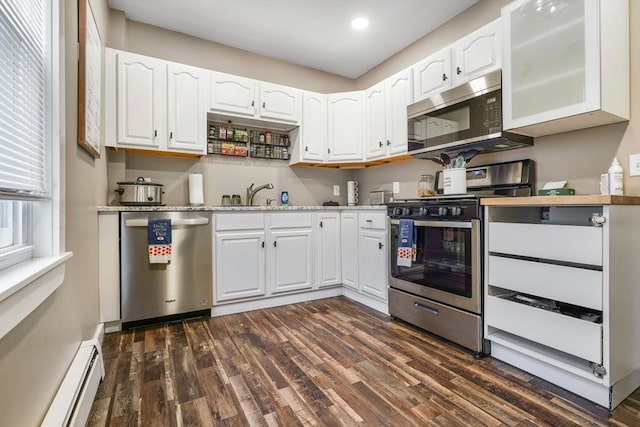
150, 293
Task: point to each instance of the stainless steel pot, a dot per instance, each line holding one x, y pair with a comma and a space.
139, 193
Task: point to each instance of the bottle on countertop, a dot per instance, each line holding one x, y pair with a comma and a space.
615, 178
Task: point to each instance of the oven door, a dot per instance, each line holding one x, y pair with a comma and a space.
446, 266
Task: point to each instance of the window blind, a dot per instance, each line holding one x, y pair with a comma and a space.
24, 103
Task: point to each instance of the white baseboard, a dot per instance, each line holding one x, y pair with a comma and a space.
371, 302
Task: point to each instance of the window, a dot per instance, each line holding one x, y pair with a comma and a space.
28, 100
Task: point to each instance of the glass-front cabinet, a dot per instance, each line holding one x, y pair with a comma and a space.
558, 64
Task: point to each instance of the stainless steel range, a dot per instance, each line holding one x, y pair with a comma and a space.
436, 268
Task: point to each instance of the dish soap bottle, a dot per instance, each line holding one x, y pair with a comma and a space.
615, 178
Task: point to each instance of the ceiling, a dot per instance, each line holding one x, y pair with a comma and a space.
312, 33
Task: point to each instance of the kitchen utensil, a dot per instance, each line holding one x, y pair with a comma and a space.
139, 193
226, 200
468, 155
446, 160
236, 200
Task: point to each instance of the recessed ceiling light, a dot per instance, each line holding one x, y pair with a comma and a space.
360, 23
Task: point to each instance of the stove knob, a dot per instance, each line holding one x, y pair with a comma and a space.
406, 211
442, 211
424, 211
397, 211
456, 211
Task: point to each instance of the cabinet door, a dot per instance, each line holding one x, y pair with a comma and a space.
328, 262
239, 265
432, 75
314, 126
375, 124
345, 125
349, 244
141, 101
372, 272
233, 94
187, 124
291, 260
398, 94
551, 63
478, 53
280, 102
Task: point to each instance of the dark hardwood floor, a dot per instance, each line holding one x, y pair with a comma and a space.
328, 362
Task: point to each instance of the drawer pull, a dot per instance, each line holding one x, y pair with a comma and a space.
426, 308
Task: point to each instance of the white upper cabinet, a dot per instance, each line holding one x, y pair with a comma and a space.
432, 75
376, 126
187, 121
565, 68
398, 94
141, 106
280, 102
345, 126
155, 105
240, 96
472, 56
478, 53
313, 144
233, 94
386, 116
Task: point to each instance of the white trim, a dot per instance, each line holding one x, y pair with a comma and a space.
371, 302
27, 285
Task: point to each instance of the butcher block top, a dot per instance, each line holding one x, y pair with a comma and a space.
577, 200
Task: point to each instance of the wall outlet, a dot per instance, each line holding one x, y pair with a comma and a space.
336, 190
396, 187
634, 164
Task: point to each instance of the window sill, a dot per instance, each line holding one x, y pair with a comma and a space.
26, 285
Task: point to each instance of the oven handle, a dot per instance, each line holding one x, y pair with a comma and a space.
426, 308
440, 224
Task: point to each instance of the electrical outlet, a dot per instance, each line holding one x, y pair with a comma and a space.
634, 164
396, 187
336, 190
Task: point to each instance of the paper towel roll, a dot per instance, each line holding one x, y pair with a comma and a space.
196, 193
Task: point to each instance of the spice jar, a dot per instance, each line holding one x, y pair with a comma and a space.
426, 186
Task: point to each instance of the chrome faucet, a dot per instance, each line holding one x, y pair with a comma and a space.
251, 192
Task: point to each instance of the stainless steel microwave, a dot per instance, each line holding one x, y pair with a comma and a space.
466, 117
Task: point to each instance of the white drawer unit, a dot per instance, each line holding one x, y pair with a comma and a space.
568, 243
236, 221
578, 286
377, 221
561, 293
574, 336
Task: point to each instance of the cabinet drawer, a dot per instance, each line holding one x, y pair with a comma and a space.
291, 220
377, 221
567, 284
568, 334
239, 221
557, 242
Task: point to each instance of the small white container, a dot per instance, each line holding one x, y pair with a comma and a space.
604, 183
454, 181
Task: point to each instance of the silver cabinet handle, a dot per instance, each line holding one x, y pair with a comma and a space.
426, 308
145, 222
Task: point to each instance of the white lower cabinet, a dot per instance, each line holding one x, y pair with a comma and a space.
291, 260
365, 257
349, 258
566, 274
328, 261
261, 254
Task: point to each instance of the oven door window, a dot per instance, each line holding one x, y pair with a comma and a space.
443, 259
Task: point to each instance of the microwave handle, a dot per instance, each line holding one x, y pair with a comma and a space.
440, 224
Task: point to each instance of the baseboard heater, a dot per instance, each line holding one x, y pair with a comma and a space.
72, 403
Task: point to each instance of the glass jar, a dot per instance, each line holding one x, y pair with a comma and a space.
426, 186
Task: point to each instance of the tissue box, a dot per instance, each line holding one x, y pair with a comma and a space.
557, 192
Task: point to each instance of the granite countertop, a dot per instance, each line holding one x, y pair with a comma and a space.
577, 200
221, 209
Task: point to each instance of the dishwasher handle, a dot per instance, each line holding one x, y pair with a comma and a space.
145, 222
